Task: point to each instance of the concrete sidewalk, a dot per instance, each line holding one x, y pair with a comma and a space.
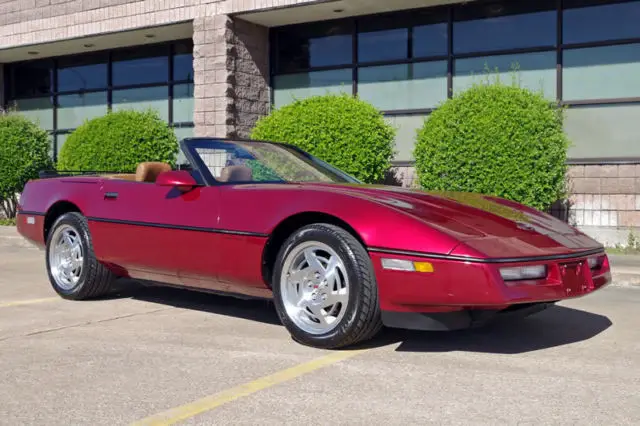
625, 268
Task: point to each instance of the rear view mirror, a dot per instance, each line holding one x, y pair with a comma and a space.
180, 179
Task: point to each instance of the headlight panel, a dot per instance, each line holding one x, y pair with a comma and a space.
522, 273
595, 262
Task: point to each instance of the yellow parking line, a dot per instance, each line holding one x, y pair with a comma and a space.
27, 302
211, 402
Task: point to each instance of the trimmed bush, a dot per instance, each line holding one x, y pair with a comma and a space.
24, 151
118, 141
498, 140
346, 132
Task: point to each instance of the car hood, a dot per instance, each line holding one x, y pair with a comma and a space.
489, 225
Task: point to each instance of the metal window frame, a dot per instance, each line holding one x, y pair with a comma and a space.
451, 58
54, 94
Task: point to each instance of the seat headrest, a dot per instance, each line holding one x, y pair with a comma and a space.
149, 171
236, 174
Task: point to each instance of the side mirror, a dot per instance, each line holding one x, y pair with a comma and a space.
179, 179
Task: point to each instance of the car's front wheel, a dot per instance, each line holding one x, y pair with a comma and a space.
74, 271
325, 289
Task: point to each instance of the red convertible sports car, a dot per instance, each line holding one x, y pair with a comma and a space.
339, 258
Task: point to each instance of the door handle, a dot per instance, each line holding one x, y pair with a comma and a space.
110, 195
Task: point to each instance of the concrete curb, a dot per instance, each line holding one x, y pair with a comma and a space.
625, 268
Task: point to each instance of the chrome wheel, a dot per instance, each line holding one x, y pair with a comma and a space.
66, 257
315, 287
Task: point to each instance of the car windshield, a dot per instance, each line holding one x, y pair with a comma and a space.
261, 162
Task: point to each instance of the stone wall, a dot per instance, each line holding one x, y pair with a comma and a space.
25, 22
250, 76
231, 66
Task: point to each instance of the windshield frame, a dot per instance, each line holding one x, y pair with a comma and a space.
203, 175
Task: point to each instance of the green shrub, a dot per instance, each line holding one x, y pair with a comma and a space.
344, 131
118, 141
495, 139
24, 151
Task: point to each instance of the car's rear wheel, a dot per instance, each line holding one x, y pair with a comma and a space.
325, 289
74, 271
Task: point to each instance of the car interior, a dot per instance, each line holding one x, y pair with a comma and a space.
148, 172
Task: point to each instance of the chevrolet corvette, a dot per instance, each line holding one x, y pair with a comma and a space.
340, 259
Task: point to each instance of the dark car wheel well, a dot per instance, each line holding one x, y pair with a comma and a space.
288, 227
55, 211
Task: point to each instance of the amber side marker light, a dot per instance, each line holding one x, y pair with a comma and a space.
406, 265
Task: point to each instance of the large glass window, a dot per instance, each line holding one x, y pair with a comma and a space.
313, 46
83, 73
74, 109
406, 63
141, 66
183, 61
62, 93
504, 25
38, 110
290, 87
601, 20
142, 99
534, 71
601, 72
430, 40
383, 45
404, 86
183, 103
31, 80
603, 131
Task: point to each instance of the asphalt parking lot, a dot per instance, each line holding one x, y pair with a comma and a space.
162, 356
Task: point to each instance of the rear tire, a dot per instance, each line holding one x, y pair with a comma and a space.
324, 286
73, 270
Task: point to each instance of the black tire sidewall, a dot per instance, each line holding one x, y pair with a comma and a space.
345, 249
76, 221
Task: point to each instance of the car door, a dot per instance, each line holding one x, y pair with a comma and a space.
157, 232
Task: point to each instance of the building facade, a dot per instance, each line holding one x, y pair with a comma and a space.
213, 67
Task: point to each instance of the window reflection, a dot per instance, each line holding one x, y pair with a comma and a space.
289, 87
183, 103
183, 62
150, 65
404, 86
504, 25
38, 110
430, 40
602, 22
314, 46
383, 45
82, 73
534, 71
601, 72
73, 110
32, 79
603, 131
142, 99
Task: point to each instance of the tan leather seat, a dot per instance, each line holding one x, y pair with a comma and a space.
236, 174
149, 171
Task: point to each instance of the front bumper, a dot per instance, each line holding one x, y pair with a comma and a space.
453, 285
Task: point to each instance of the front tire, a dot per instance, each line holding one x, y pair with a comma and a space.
325, 291
73, 270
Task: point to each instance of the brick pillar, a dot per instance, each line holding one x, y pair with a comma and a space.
230, 59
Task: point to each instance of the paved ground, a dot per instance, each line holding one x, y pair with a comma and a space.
147, 351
